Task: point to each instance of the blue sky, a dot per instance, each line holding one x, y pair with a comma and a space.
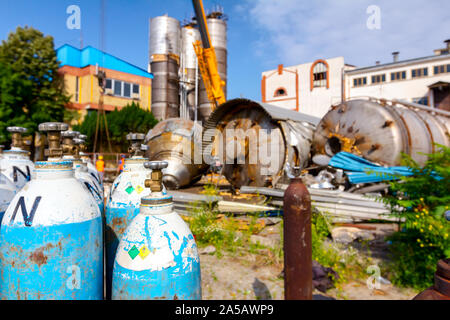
261, 33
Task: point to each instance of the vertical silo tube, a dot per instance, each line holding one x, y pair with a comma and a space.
188, 36
164, 64
217, 28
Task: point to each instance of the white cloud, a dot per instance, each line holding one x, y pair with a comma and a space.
293, 32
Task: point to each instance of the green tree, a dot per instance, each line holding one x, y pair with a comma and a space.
131, 118
32, 91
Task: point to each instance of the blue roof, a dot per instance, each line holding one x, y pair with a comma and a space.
80, 58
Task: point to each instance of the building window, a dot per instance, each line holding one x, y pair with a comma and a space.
136, 88
122, 89
320, 75
378, 78
126, 89
421, 100
77, 97
417, 73
400, 75
280, 92
108, 84
444, 68
358, 82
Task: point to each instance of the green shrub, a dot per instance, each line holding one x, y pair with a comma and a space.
421, 201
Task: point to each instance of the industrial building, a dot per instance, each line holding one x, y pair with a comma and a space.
124, 82
313, 87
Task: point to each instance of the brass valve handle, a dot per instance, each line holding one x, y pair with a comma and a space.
16, 136
155, 183
68, 145
53, 130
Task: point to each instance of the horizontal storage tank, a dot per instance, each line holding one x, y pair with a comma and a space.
256, 142
165, 33
177, 141
380, 131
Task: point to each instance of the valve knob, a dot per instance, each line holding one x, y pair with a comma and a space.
156, 165
69, 134
135, 136
78, 141
53, 126
16, 129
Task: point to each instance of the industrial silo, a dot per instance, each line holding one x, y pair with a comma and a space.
164, 64
217, 28
189, 72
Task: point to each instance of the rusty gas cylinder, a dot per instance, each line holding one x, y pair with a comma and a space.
297, 240
124, 200
157, 257
51, 243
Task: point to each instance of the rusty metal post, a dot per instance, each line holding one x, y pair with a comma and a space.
297, 241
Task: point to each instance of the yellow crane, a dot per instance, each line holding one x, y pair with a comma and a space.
207, 61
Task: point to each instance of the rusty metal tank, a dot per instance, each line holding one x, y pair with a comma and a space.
379, 130
164, 64
217, 27
256, 141
177, 141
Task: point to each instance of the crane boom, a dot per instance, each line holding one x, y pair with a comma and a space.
207, 60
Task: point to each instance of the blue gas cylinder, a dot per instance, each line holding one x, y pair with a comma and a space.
123, 201
157, 256
51, 242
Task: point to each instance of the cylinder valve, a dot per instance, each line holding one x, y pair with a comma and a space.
68, 145
16, 136
155, 183
53, 130
136, 147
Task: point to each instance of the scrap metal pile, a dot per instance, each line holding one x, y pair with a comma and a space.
351, 152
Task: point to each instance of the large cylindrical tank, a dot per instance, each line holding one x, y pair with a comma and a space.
51, 237
177, 141
123, 201
255, 141
157, 257
165, 34
189, 35
379, 132
217, 28
16, 169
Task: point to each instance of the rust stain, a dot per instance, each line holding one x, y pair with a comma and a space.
38, 257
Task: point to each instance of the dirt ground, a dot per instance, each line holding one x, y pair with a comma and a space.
243, 278
249, 277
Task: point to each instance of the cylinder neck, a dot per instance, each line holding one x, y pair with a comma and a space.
51, 170
134, 164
